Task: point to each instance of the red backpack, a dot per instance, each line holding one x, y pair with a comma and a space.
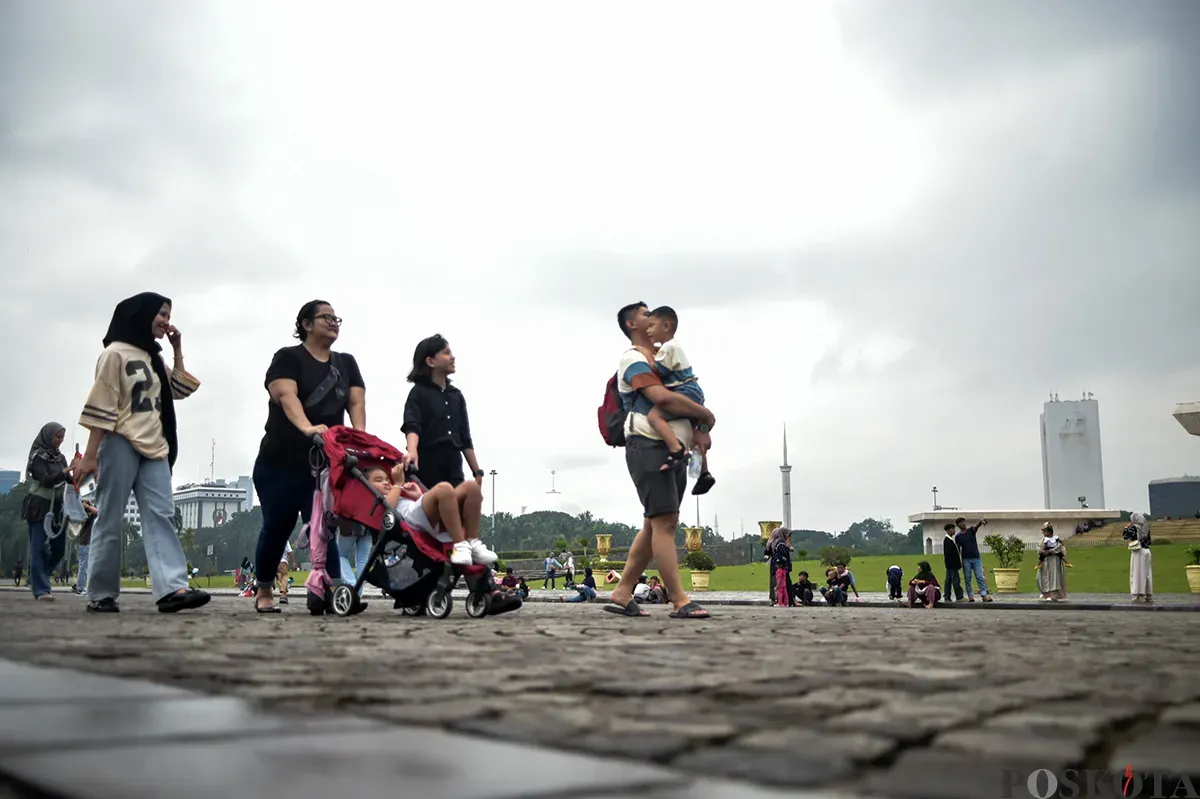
612, 415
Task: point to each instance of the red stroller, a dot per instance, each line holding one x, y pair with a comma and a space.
411, 566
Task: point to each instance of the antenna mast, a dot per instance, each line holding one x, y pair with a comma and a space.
212, 462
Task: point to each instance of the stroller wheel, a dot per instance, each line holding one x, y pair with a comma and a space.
478, 605
413, 610
344, 600
439, 604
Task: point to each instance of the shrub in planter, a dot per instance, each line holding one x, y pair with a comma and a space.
1009, 553
1193, 554
699, 561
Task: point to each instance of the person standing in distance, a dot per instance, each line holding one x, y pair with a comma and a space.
311, 388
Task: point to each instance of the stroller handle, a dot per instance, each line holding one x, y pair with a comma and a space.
319, 440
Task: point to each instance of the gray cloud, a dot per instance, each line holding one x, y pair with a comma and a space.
1053, 249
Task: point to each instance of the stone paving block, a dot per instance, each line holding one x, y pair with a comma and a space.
105, 723
859, 747
908, 723
709, 788
947, 774
21, 684
1183, 716
377, 765
1012, 743
766, 766
837, 699
1164, 749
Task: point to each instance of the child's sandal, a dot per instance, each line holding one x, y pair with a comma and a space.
676, 460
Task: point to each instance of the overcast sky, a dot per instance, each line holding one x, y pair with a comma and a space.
894, 228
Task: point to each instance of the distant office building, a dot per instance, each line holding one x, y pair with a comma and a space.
131, 513
1177, 497
9, 480
1072, 466
213, 503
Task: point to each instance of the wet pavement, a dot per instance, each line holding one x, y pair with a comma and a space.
558, 700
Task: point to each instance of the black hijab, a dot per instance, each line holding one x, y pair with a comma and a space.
43, 448
132, 323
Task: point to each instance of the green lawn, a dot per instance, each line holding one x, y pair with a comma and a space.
1097, 570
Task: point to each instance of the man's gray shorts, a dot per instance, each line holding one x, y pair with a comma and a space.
661, 492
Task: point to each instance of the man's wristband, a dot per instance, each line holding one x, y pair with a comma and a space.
477, 473
703, 428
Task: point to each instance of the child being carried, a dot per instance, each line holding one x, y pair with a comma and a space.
443, 508
675, 371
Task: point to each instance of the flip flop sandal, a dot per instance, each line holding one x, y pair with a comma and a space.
260, 609
676, 460
690, 611
704, 484
631, 610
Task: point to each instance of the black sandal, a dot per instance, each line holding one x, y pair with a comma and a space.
183, 600
676, 460
260, 609
704, 484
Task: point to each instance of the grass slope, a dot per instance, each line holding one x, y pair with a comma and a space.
1097, 570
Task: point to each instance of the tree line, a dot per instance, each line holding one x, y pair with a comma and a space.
538, 532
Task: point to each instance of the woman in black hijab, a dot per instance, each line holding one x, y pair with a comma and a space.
46, 475
132, 446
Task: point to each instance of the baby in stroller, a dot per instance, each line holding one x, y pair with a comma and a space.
424, 541
455, 512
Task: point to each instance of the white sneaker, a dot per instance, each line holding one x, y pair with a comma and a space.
481, 554
461, 554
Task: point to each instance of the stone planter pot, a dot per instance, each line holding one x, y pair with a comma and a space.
766, 528
603, 545
700, 580
1193, 578
695, 538
1005, 580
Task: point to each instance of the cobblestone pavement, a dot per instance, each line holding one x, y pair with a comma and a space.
873, 702
1170, 602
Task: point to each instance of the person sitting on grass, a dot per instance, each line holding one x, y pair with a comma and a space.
923, 589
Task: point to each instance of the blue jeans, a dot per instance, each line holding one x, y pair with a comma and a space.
123, 469
974, 567
82, 559
284, 494
834, 596
360, 548
586, 594
41, 566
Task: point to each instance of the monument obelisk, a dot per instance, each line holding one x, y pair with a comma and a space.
785, 472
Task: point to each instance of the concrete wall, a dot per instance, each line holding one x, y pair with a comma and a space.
1072, 465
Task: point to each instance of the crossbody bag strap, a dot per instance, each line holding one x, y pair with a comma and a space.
328, 384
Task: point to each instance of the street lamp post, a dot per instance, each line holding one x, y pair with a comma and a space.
935, 505
493, 474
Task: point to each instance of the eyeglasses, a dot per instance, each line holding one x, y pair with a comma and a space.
336, 321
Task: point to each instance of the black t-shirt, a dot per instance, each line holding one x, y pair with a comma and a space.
284, 445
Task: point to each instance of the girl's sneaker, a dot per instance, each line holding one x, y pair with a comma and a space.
461, 555
481, 554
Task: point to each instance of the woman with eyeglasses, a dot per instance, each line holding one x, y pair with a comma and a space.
311, 388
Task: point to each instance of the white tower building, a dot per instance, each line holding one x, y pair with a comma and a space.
1072, 467
785, 471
